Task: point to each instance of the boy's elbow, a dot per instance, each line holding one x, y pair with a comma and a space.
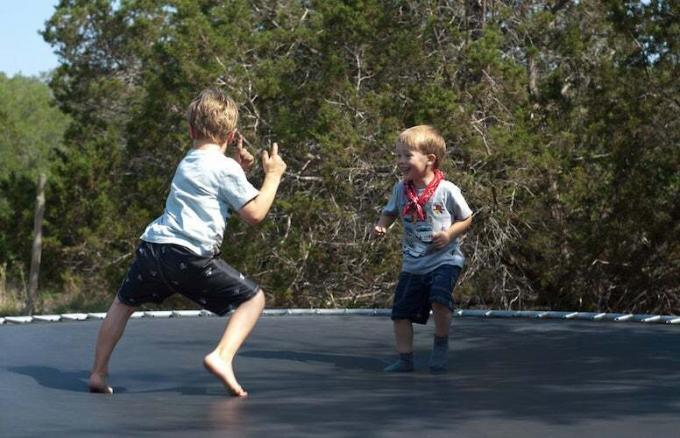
251, 214
468, 223
257, 220
252, 219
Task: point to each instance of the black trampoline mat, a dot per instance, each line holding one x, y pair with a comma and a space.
322, 376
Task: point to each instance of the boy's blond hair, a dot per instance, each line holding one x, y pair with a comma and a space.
426, 140
212, 115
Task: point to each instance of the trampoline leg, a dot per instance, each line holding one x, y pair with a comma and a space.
109, 334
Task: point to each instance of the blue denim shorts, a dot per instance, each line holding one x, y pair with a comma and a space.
160, 270
415, 293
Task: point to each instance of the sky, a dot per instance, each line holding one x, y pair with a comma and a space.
22, 49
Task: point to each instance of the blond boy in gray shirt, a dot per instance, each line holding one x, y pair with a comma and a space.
179, 251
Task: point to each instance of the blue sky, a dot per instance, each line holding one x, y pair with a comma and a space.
22, 49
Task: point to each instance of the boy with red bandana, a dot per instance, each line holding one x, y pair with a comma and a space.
434, 215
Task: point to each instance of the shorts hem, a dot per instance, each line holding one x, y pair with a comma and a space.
233, 305
126, 301
443, 302
411, 318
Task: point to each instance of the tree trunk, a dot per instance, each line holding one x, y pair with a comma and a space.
3, 280
36, 250
533, 76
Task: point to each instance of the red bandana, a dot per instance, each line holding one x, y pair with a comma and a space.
414, 203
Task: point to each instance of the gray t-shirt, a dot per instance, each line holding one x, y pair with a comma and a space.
445, 207
206, 188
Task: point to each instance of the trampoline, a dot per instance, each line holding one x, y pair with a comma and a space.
321, 375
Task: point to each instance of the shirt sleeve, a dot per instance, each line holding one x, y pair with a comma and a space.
235, 189
392, 207
456, 205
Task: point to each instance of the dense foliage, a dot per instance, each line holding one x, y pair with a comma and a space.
31, 133
560, 117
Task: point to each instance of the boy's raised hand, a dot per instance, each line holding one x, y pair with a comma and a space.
242, 156
272, 163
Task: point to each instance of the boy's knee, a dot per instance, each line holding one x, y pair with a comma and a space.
259, 296
122, 307
439, 308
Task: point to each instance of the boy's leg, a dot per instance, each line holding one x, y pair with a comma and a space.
403, 333
440, 350
442, 319
219, 361
109, 334
441, 298
407, 308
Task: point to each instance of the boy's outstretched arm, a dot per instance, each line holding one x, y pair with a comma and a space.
274, 168
442, 238
380, 229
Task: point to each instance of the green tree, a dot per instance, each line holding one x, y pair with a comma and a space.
558, 116
32, 129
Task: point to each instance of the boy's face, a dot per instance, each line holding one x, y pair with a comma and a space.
413, 164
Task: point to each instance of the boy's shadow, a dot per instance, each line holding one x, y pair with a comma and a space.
359, 363
75, 381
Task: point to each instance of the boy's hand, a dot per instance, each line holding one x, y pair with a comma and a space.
441, 239
242, 156
272, 163
378, 231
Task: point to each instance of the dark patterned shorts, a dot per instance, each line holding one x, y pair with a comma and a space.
160, 270
415, 293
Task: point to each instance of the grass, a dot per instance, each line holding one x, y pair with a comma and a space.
10, 305
12, 302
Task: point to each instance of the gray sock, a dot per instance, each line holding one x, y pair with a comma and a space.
403, 365
440, 354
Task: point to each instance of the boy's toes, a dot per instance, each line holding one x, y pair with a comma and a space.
238, 392
98, 385
100, 389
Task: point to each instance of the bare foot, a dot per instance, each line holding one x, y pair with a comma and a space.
223, 371
98, 384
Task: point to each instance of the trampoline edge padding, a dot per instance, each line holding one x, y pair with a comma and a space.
475, 313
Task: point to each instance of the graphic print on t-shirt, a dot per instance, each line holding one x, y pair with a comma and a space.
418, 234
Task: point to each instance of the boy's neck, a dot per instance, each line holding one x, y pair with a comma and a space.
423, 182
205, 144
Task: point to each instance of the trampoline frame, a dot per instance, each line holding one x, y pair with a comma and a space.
474, 313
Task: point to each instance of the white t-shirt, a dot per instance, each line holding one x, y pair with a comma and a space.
206, 188
445, 207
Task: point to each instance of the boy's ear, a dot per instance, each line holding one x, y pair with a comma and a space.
432, 159
230, 136
192, 134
